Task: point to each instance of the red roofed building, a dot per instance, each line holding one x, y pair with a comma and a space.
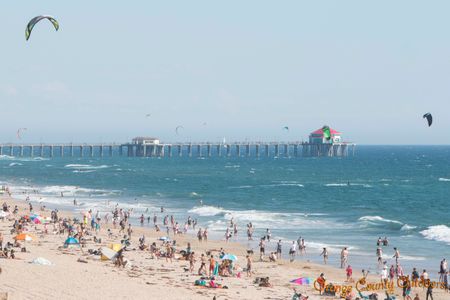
316, 137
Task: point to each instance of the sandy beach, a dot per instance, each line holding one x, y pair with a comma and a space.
144, 277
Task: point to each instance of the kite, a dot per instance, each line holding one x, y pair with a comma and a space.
148, 115
326, 132
19, 133
286, 128
429, 118
178, 128
35, 20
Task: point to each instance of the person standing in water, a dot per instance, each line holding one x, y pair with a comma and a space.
344, 257
325, 255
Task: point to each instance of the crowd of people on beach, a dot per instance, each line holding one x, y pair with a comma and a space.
211, 265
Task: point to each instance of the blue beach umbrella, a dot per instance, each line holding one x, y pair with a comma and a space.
231, 257
71, 241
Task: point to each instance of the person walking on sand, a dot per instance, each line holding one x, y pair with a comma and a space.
344, 257
199, 235
202, 269
429, 290
292, 251
349, 273
325, 255
212, 265
191, 262
249, 266
262, 249
205, 235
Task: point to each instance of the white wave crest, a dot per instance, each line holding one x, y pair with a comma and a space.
439, 233
85, 167
444, 179
378, 219
407, 227
208, 211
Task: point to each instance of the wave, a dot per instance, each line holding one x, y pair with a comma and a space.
407, 227
15, 164
378, 219
282, 184
336, 184
208, 211
83, 171
439, 233
6, 157
444, 179
85, 167
348, 184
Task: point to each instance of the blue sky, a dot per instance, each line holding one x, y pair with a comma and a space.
370, 69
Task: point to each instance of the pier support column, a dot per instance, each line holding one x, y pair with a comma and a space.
277, 150
11, 151
238, 150
101, 150
247, 150
286, 150
199, 150
1, 150
267, 150
190, 150
295, 150
51, 151
257, 150
161, 151
41, 151
228, 150
32, 151
208, 149
219, 150
169, 150
111, 151
120, 150
180, 150
91, 151
21, 150
71, 150
81, 151
61, 151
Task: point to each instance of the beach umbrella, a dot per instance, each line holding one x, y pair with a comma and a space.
71, 241
108, 253
231, 257
302, 281
24, 237
37, 221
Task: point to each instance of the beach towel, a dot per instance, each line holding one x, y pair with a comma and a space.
216, 269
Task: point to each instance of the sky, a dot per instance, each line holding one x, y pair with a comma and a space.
236, 69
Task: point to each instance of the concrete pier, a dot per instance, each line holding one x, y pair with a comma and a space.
236, 149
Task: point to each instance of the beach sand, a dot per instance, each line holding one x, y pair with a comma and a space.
146, 278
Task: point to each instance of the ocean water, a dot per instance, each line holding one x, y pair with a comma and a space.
401, 192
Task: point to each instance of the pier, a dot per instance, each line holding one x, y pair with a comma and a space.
191, 149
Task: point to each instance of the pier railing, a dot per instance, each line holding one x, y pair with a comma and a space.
190, 149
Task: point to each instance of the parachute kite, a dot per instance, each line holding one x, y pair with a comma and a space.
148, 115
286, 128
326, 132
178, 128
19, 133
35, 20
429, 118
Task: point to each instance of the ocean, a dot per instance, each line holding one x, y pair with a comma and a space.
401, 192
